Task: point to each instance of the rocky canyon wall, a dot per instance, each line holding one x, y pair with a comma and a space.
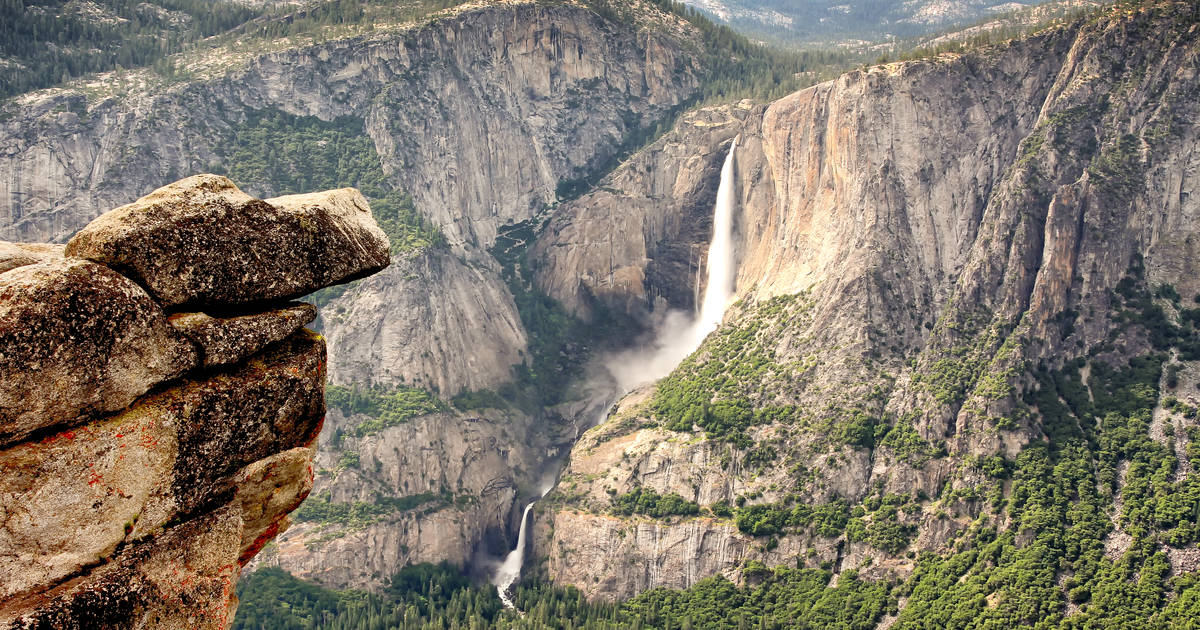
479, 113
915, 240
160, 399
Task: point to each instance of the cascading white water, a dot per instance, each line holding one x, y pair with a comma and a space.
720, 259
510, 569
677, 338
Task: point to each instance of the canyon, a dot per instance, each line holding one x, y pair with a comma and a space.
883, 281
947, 269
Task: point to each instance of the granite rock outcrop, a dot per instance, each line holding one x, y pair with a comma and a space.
149, 453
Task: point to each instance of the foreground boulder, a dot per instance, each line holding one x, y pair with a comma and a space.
203, 242
183, 580
146, 457
13, 255
77, 339
72, 497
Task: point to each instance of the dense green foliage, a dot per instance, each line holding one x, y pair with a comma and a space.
774, 598
768, 519
273, 152
650, 503
720, 389
1061, 491
43, 42
386, 406
478, 399
428, 597
422, 594
313, 19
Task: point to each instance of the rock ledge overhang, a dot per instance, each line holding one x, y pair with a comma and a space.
160, 399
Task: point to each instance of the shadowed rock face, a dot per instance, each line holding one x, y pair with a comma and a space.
166, 451
227, 340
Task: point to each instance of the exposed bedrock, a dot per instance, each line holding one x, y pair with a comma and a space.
147, 456
915, 240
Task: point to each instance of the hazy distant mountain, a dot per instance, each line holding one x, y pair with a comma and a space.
808, 21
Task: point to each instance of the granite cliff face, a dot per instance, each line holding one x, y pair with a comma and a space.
149, 452
916, 242
449, 104
479, 113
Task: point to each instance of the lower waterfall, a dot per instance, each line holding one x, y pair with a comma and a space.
510, 569
677, 338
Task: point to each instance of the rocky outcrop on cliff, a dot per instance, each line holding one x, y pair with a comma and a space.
920, 245
161, 401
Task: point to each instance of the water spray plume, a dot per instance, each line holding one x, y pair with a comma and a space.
678, 336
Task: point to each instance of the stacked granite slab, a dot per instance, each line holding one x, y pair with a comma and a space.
160, 399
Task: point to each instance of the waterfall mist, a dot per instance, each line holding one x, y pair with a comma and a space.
679, 334
676, 336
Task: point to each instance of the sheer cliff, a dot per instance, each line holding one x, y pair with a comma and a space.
960, 277
958, 387
469, 119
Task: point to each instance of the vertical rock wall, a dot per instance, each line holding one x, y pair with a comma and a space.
915, 240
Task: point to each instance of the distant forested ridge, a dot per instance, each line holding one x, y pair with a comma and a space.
45, 42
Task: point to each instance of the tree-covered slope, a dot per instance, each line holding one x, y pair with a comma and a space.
45, 42
965, 357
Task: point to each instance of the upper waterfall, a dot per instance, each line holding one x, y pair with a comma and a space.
721, 272
676, 340
679, 335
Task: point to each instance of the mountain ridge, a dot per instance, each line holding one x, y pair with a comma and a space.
965, 288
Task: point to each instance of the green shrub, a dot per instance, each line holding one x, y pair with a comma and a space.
650, 503
386, 407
